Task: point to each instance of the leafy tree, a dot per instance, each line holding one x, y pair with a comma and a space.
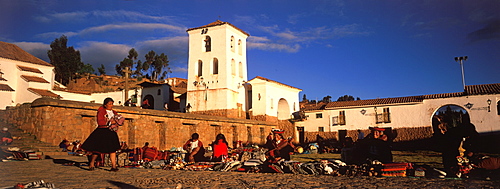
327, 99
101, 70
304, 99
156, 63
86, 69
66, 60
127, 62
347, 98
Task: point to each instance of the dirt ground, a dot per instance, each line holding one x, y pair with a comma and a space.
62, 175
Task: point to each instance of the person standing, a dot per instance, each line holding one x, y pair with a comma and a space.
103, 140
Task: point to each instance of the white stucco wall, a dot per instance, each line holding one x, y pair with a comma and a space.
223, 90
13, 76
408, 115
270, 95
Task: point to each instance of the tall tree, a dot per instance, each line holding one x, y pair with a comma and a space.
327, 99
156, 63
127, 62
66, 60
86, 69
101, 70
304, 98
347, 98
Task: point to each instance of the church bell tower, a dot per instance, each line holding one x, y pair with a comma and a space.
217, 70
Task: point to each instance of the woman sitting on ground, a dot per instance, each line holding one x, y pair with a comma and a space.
194, 147
220, 148
281, 147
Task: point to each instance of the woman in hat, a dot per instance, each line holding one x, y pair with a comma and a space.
281, 147
103, 140
6, 136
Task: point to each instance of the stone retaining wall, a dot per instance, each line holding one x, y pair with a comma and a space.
53, 120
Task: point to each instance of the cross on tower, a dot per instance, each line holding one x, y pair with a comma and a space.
127, 72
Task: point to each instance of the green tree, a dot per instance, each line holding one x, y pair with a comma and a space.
347, 98
66, 60
304, 98
156, 63
86, 69
101, 70
127, 62
327, 99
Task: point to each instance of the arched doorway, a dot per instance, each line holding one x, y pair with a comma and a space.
449, 116
283, 109
151, 101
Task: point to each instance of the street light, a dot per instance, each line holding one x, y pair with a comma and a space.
461, 61
489, 104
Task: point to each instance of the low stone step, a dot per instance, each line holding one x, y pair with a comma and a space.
49, 153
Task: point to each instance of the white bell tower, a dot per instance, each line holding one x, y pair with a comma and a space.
217, 69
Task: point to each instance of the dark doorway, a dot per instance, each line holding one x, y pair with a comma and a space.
151, 101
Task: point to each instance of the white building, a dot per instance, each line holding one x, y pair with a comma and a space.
24, 78
480, 102
217, 77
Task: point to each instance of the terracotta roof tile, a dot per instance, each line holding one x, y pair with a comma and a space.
397, 100
268, 80
28, 69
11, 51
5, 87
44, 93
34, 79
483, 89
218, 23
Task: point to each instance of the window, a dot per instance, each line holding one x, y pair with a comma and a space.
232, 43
319, 115
339, 120
240, 68
239, 47
159, 92
498, 108
216, 66
233, 67
200, 68
341, 117
208, 44
385, 117
321, 129
335, 120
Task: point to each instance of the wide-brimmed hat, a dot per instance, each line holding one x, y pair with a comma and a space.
277, 131
378, 129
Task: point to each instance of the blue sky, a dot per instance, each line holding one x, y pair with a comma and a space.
364, 48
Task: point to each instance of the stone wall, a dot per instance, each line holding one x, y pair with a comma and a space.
53, 120
400, 134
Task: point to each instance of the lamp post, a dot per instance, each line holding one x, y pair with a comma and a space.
461, 61
489, 104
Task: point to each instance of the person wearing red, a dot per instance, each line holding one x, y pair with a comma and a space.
220, 148
281, 147
6, 136
194, 148
103, 140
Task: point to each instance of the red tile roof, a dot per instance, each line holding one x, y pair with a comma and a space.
5, 87
11, 51
34, 79
272, 81
398, 100
28, 69
44, 93
483, 89
218, 23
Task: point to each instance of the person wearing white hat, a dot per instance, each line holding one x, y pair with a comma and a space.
6, 136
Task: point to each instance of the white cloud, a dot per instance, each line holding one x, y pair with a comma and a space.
133, 26
274, 47
36, 49
97, 53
